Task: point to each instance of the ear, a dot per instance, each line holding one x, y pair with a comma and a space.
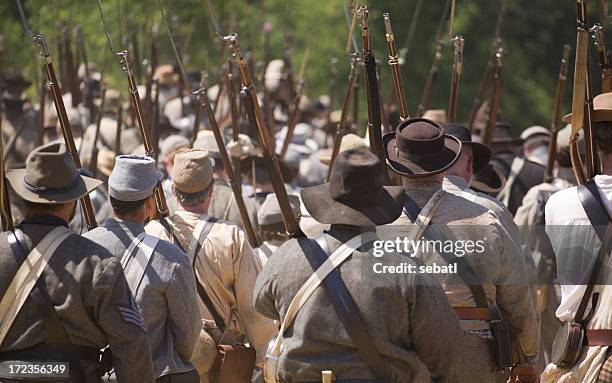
470, 164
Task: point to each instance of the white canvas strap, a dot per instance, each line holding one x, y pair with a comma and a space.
136, 259
200, 232
28, 273
426, 214
515, 169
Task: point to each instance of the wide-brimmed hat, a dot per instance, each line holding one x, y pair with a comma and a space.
489, 179
50, 177
270, 212
355, 194
602, 109
134, 178
481, 153
419, 148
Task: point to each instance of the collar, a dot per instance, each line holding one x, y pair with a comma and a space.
456, 181
45, 220
191, 216
421, 192
128, 226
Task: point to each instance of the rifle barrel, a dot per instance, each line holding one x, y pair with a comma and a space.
431, 80
457, 65
398, 85
256, 118
556, 117
495, 103
88, 211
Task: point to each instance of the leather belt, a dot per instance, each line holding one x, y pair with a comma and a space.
473, 313
598, 337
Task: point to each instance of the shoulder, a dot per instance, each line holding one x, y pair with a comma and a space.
562, 206
156, 229
169, 251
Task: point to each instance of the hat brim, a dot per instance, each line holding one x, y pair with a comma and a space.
481, 155
430, 165
323, 208
82, 187
493, 185
598, 116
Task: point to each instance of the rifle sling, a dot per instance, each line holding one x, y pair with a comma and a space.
58, 341
347, 311
602, 222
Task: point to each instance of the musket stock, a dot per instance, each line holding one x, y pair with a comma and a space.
457, 65
556, 116
398, 85
88, 211
256, 118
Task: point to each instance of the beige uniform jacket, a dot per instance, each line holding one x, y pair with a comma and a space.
499, 264
227, 268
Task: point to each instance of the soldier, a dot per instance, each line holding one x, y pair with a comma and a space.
396, 311
271, 227
168, 149
521, 173
20, 121
81, 302
578, 223
159, 274
224, 263
493, 277
223, 203
535, 144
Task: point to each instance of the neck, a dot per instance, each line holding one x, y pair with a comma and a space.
423, 181
134, 217
196, 209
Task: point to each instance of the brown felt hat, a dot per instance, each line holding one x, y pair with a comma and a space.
50, 177
602, 109
419, 148
355, 194
489, 179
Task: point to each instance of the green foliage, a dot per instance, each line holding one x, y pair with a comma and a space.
533, 33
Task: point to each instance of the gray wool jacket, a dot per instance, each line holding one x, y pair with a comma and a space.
88, 289
166, 298
407, 315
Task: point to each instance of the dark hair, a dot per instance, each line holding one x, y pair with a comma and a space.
603, 136
563, 157
126, 207
191, 199
32, 209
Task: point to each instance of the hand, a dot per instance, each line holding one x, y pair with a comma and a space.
524, 373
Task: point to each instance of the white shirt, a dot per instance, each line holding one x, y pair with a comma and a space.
564, 209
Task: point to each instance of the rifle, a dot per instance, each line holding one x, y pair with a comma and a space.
579, 90
355, 119
591, 158
431, 79
118, 128
372, 92
295, 107
234, 94
270, 158
556, 117
88, 98
457, 64
5, 203
398, 86
70, 79
210, 116
198, 110
134, 97
333, 80
486, 76
495, 103
53, 85
604, 65
42, 101
93, 162
341, 129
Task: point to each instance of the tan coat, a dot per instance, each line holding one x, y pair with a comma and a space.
228, 268
500, 266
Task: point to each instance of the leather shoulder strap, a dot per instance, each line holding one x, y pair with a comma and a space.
200, 233
28, 273
602, 223
349, 313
